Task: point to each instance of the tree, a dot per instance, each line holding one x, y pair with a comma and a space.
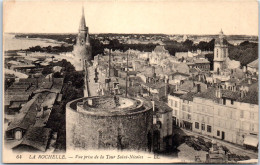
188, 44
47, 70
57, 75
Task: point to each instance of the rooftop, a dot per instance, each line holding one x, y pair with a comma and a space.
253, 64
37, 138
160, 48
252, 95
109, 105
209, 94
188, 96
161, 107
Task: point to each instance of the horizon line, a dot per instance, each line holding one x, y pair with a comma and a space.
131, 33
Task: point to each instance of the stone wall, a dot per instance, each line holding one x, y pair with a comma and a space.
88, 131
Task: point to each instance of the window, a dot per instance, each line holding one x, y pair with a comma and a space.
171, 102
189, 116
232, 102
208, 128
208, 119
230, 115
176, 104
241, 114
202, 119
183, 107
198, 108
252, 127
252, 115
218, 112
202, 126
197, 126
188, 108
218, 133
224, 101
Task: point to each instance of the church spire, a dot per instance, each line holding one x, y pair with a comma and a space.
82, 25
221, 34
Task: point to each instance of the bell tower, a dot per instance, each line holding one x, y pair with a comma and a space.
220, 52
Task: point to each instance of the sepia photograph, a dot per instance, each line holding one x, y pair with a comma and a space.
130, 81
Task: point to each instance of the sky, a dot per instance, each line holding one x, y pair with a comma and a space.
136, 16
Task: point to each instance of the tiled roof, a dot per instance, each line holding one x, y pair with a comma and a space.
156, 85
245, 82
180, 73
17, 97
230, 94
26, 116
161, 107
187, 86
253, 64
209, 94
160, 48
37, 137
188, 96
198, 61
252, 95
16, 105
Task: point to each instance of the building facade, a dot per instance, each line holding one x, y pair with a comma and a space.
218, 113
203, 116
174, 103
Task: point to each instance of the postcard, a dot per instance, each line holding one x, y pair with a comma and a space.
130, 81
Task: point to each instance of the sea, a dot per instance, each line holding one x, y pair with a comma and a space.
10, 42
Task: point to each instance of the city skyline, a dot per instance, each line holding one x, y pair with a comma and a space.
146, 17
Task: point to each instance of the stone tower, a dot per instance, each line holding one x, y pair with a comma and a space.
220, 52
82, 49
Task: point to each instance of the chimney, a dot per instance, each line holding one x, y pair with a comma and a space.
177, 87
153, 71
90, 102
199, 78
198, 88
244, 69
166, 87
242, 94
249, 81
153, 105
218, 93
